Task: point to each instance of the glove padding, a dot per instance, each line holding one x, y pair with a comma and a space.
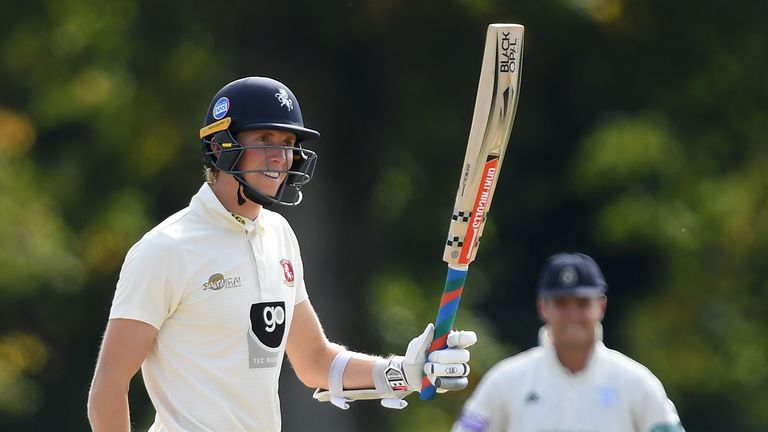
446, 369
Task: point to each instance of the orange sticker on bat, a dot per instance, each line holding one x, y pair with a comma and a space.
479, 210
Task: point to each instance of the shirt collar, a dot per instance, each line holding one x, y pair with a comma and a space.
207, 202
545, 341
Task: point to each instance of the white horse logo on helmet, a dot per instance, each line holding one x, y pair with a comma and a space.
284, 99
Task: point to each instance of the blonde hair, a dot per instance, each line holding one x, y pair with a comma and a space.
211, 175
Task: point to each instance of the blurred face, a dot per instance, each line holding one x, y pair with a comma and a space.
572, 319
270, 158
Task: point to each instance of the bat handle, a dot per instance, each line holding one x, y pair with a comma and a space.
446, 315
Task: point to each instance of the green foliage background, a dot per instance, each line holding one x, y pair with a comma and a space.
640, 139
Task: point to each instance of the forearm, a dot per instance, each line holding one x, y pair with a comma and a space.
359, 372
108, 408
354, 376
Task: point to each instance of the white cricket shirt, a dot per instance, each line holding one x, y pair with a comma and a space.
534, 392
221, 291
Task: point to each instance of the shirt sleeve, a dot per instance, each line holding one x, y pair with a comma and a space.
301, 288
150, 286
483, 411
657, 412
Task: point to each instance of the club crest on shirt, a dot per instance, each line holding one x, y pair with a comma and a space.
606, 396
288, 275
532, 397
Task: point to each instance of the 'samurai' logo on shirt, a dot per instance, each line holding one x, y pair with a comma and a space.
217, 281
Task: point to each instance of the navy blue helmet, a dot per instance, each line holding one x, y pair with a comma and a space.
257, 103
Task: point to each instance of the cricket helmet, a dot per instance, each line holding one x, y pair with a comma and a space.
249, 104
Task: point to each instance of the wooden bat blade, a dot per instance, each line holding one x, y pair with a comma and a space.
495, 109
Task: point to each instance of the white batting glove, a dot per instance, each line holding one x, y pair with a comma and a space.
446, 369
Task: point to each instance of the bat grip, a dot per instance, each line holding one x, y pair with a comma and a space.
446, 315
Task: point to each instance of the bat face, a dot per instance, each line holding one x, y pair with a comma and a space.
494, 113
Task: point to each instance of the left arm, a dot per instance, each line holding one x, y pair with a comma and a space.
316, 359
657, 412
311, 353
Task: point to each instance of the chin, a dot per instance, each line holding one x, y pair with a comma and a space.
575, 337
269, 190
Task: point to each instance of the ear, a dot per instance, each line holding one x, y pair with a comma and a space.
215, 147
542, 308
603, 306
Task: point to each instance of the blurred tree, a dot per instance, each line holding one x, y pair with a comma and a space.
639, 139
684, 183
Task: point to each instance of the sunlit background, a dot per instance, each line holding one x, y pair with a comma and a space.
640, 139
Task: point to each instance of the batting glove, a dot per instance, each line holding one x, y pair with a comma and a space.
446, 369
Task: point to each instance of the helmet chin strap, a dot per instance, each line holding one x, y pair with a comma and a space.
259, 198
251, 194
240, 198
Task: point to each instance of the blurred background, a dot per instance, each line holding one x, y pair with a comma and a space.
640, 139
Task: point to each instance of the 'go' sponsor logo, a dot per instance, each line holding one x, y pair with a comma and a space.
268, 322
273, 316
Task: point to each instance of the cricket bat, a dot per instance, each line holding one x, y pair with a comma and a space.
495, 108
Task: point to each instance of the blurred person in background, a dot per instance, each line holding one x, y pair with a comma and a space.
571, 382
210, 300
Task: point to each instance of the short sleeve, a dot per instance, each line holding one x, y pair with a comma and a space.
482, 411
657, 412
151, 281
301, 288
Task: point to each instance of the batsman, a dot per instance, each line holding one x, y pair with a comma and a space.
209, 301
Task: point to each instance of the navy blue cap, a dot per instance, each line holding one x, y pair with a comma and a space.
571, 274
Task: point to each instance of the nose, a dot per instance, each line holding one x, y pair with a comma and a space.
279, 154
570, 309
